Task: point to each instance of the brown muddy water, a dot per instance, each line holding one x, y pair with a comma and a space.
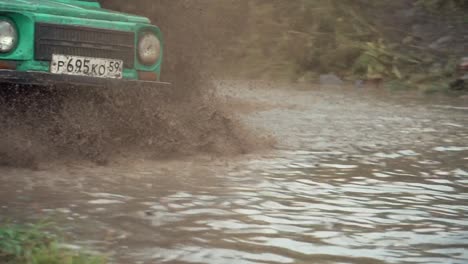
356, 177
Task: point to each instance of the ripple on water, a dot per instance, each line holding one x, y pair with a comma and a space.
450, 148
193, 254
282, 210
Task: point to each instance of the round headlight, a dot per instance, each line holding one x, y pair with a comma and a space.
149, 49
8, 36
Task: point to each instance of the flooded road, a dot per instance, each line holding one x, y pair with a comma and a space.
356, 177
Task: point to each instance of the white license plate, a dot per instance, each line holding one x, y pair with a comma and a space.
85, 66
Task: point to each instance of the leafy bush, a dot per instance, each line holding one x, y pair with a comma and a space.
379, 60
32, 245
355, 39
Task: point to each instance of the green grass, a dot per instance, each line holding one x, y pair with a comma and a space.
31, 244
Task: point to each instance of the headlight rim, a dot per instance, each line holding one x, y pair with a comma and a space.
145, 61
16, 35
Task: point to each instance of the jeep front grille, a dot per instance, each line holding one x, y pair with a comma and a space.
83, 41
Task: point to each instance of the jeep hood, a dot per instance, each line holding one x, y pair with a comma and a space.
68, 8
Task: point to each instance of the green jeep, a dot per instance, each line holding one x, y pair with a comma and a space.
76, 42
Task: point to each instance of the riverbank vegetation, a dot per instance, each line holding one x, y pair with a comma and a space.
406, 44
31, 244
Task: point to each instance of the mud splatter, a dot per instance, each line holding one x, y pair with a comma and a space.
98, 124
40, 124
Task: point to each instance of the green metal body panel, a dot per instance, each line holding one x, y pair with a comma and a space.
86, 13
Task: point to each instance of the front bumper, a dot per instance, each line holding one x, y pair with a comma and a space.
49, 79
